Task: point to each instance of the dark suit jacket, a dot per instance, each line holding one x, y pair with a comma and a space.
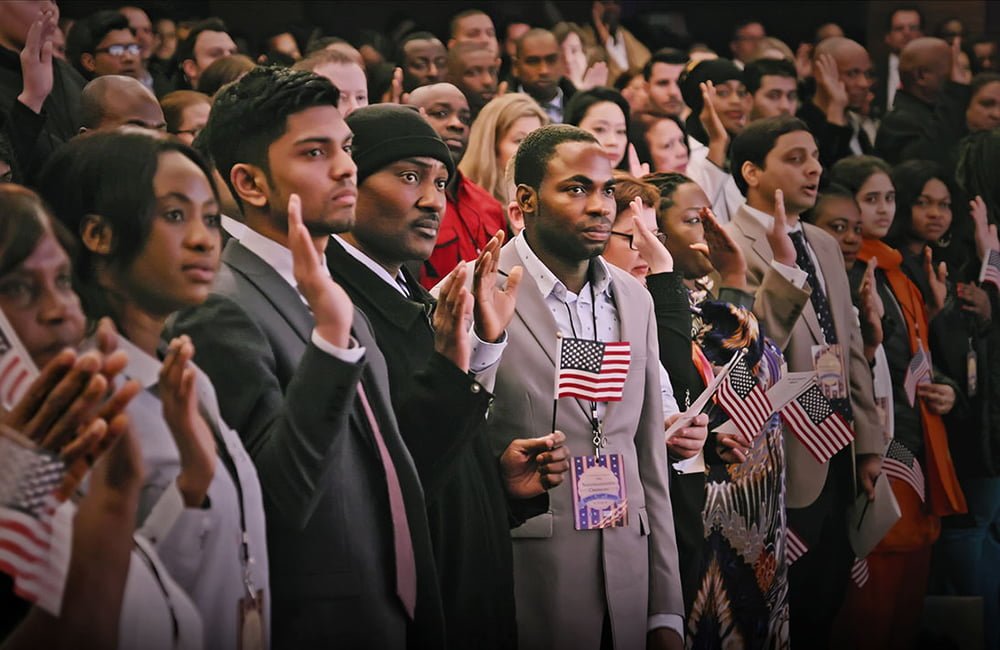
466, 502
329, 525
914, 129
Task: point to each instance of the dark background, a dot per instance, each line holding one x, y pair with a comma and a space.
707, 21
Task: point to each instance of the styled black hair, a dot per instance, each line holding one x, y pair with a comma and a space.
831, 192
756, 141
668, 55
249, 114
852, 172
536, 150
465, 13
667, 183
25, 221
185, 48
109, 174
909, 178
413, 36
744, 22
583, 101
755, 71
898, 8
88, 32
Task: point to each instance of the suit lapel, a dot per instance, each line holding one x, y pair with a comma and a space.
286, 300
753, 231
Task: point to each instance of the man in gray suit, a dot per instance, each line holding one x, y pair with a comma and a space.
599, 588
775, 163
299, 375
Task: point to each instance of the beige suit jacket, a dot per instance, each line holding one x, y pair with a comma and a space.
564, 579
775, 297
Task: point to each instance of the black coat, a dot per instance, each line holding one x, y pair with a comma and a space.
914, 129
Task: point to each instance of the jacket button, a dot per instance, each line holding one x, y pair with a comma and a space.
475, 388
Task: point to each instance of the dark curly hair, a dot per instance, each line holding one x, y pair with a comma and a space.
532, 158
250, 114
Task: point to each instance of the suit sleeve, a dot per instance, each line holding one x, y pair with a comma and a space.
778, 304
289, 434
665, 596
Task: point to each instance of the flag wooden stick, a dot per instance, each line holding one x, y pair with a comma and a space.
555, 400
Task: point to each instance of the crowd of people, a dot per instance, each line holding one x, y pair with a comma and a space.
299, 317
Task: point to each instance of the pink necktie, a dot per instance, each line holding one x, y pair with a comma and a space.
406, 570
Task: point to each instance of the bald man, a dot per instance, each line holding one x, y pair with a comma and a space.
472, 216
112, 101
928, 116
838, 114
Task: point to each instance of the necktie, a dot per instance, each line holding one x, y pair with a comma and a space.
820, 305
406, 570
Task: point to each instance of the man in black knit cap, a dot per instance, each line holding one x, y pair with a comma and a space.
403, 168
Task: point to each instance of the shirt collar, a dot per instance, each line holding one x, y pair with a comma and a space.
371, 264
141, 367
274, 255
549, 284
556, 102
767, 221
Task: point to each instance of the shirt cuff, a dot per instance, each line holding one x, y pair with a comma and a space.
352, 354
793, 274
693, 465
485, 354
164, 515
673, 621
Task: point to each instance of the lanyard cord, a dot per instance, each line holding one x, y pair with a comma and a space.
599, 440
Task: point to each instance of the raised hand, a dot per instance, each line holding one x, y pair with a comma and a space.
872, 311
636, 168
36, 62
194, 439
331, 306
722, 251
650, 248
778, 237
596, 76
986, 234
831, 93
718, 137
532, 466
688, 441
394, 94
494, 307
803, 60
975, 301
502, 89
938, 280
958, 75
453, 318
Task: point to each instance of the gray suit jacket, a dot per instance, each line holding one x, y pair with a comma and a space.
776, 299
566, 579
329, 526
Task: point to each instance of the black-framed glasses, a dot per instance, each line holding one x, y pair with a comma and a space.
120, 50
660, 237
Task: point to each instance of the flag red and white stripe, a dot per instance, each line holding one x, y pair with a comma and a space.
794, 547
990, 270
899, 463
918, 372
860, 572
592, 370
743, 399
16, 368
812, 420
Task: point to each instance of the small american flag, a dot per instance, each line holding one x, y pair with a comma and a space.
742, 398
812, 419
990, 271
794, 547
918, 372
34, 541
900, 463
16, 368
592, 370
860, 572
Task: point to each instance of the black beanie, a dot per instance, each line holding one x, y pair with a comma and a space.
385, 133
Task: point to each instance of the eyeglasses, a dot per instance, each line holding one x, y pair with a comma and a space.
120, 50
660, 237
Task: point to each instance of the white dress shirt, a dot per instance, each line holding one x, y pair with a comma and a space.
575, 315
279, 258
892, 82
793, 274
718, 184
553, 108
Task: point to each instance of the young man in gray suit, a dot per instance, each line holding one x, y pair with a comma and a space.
616, 587
775, 162
299, 374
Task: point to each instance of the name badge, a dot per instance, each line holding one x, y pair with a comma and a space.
829, 366
599, 497
251, 623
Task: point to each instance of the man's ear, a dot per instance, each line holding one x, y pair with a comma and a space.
527, 199
87, 61
750, 173
95, 233
189, 68
250, 184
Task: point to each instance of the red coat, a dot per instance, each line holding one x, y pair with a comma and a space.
471, 218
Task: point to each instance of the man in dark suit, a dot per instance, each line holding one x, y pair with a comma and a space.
402, 168
300, 376
775, 162
537, 70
